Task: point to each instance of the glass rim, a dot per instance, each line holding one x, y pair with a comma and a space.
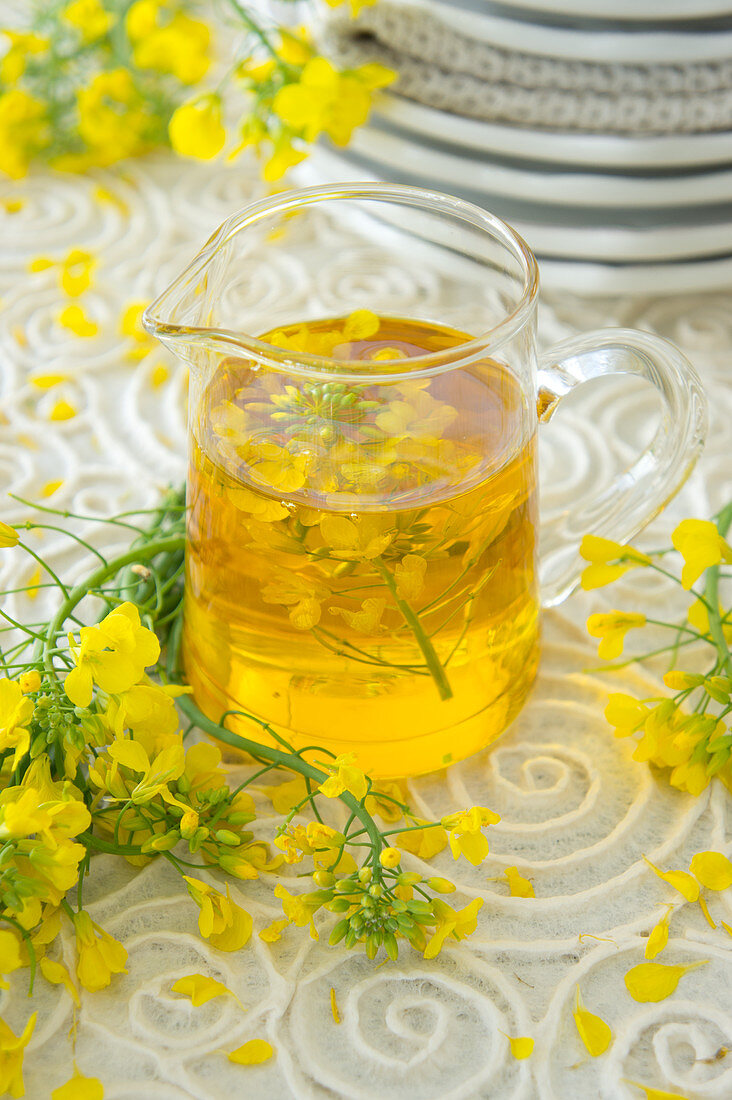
321, 366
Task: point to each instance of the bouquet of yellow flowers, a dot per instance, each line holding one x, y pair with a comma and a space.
91, 82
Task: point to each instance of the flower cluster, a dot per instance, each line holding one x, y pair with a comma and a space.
92, 759
93, 81
689, 732
90, 82
294, 97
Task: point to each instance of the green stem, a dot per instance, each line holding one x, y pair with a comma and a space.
411, 619
291, 761
77, 594
711, 594
254, 27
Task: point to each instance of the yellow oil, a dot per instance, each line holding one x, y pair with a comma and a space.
360, 572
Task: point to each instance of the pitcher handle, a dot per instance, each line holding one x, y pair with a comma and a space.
642, 490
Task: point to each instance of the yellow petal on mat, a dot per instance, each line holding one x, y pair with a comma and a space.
593, 1031
656, 981
200, 989
251, 1053
682, 881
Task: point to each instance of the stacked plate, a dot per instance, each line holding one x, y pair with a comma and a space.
606, 212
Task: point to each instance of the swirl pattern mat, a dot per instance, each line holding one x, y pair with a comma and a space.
95, 424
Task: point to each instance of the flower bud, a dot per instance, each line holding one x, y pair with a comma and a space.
390, 857
225, 836
441, 885
29, 681
323, 878
365, 874
161, 843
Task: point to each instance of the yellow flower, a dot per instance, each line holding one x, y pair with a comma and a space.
325, 101
181, 46
611, 627
284, 157
295, 47
625, 713
698, 616
409, 576
251, 1053
700, 545
89, 17
345, 777
10, 958
196, 129
355, 6
22, 45
23, 816
8, 536
348, 540
417, 417
23, 131
221, 921
29, 682
100, 955
113, 118
368, 619
600, 553
12, 1048
148, 710
276, 467
142, 18
300, 909
15, 712
303, 597
166, 766
114, 655
465, 835
79, 1087
452, 922
593, 1031
425, 843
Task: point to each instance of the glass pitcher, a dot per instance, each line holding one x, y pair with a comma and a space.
361, 567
